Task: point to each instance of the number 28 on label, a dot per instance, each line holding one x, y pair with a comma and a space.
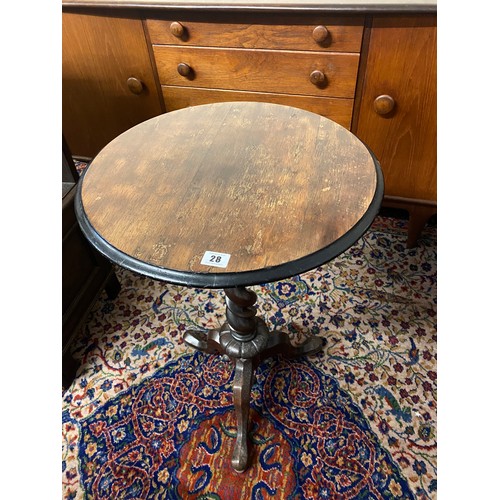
216, 259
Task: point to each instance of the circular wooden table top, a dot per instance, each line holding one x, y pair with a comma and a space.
262, 191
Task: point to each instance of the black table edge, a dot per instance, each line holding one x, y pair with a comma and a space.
229, 280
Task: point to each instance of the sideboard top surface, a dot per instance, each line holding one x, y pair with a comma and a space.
309, 5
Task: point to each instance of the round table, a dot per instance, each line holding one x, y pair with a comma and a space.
230, 195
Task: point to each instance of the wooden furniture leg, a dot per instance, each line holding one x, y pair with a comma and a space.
420, 211
112, 286
243, 381
245, 338
419, 215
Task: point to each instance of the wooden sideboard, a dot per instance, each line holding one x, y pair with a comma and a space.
372, 72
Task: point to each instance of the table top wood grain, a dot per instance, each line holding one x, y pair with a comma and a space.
279, 189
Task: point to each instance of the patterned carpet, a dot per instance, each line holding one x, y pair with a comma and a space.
147, 417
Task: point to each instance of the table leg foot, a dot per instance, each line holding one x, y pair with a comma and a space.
279, 343
203, 341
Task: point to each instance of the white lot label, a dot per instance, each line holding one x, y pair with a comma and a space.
216, 259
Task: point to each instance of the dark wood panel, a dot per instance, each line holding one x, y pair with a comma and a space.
79, 264
84, 274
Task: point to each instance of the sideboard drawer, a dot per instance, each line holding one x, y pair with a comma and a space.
289, 72
329, 34
338, 110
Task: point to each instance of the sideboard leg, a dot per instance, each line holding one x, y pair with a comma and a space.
112, 286
419, 215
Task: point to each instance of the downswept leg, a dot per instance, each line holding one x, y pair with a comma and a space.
243, 381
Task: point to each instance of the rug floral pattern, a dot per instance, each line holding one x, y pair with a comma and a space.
376, 307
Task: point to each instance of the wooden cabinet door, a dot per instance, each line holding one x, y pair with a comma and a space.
99, 56
401, 63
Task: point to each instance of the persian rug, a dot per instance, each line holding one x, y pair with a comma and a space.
147, 417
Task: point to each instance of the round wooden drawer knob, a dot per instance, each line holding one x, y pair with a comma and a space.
184, 69
383, 104
135, 85
320, 34
177, 29
317, 77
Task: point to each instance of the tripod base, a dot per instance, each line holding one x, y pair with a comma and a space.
246, 356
